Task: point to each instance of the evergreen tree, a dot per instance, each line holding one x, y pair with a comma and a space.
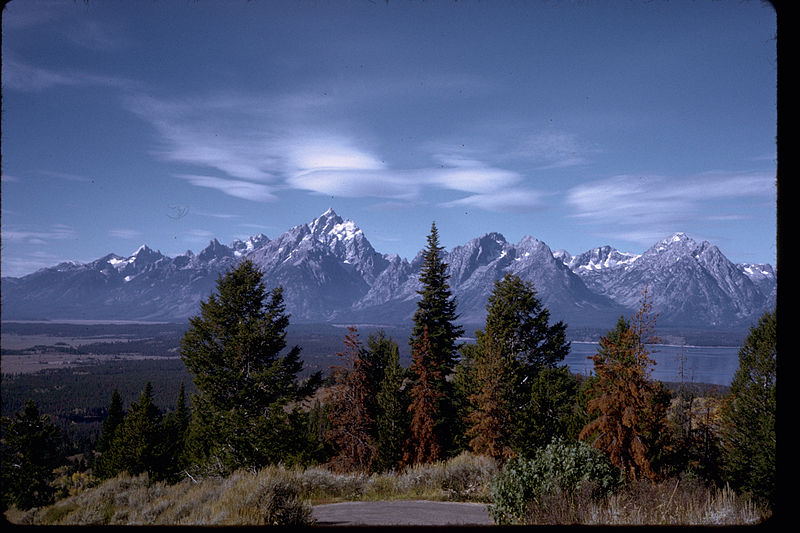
465, 386
517, 343
378, 355
628, 408
436, 312
176, 426
423, 445
490, 428
748, 430
519, 326
392, 409
138, 444
112, 422
553, 410
351, 422
232, 349
320, 450
30, 446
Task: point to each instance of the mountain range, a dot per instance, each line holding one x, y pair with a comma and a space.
331, 273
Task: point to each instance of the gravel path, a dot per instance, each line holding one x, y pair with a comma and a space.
402, 513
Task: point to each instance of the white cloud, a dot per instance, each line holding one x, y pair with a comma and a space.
510, 200
124, 233
55, 232
258, 146
629, 203
257, 192
24, 77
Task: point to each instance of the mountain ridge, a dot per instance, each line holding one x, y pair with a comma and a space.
331, 272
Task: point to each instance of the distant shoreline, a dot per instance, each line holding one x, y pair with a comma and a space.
79, 322
674, 345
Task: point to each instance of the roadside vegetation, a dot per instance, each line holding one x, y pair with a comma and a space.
257, 438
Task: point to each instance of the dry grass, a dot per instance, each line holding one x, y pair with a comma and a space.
269, 497
272, 496
673, 502
276, 495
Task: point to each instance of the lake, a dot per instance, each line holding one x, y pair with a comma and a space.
703, 364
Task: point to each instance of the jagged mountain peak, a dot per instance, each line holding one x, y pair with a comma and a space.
527, 242
241, 247
145, 253
599, 258
330, 226
330, 271
499, 238
214, 250
676, 240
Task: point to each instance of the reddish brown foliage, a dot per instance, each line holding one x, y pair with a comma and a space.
422, 446
624, 396
490, 422
349, 415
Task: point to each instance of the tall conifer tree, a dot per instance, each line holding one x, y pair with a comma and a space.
628, 409
30, 446
351, 421
490, 429
392, 413
176, 426
423, 444
233, 351
112, 422
436, 313
138, 445
748, 422
517, 344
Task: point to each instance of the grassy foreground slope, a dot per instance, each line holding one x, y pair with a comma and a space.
280, 496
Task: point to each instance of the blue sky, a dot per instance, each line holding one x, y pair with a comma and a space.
580, 123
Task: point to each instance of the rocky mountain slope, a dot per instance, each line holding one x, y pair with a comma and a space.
331, 273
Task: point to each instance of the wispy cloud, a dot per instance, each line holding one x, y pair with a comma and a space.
629, 203
257, 147
24, 77
506, 201
66, 176
246, 190
39, 236
124, 233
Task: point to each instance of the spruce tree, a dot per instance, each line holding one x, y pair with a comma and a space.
553, 410
627, 408
490, 421
351, 422
436, 309
436, 313
519, 326
378, 354
30, 446
112, 422
233, 351
423, 444
138, 444
748, 422
176, 426
516, 345
391, 413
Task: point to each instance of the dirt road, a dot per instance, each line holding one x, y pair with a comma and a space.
402, 513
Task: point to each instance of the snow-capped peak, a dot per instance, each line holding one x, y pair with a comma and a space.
346, 230
329, 226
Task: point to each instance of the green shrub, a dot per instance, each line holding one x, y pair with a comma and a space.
559, 468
